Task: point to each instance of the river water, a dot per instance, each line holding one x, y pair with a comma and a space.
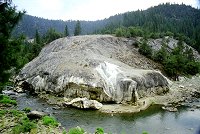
154, 120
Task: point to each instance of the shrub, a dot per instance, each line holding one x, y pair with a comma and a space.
16, 113
145, 49
64, 132
120, 32
27, 109
99, 131
24, 126
144, 132
76, 130
49, 121
6, 100
2, 112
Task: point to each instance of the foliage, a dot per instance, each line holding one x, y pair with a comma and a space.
9, 18
76, 130
37, 37
49, 121
144, 132
66, 32
145, 49
159, 21
64, 132
161, 54
25, 125
179, 62
2, 112
51, 35
77, 30
99, 131
27, 109
122, 32
6, 100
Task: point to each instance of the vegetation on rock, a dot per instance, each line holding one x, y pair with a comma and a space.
6, 100
47, 120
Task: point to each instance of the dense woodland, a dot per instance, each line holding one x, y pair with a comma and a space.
28, 24
178, 21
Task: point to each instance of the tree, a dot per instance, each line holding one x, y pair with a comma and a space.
52, 35
37, 37
77, 30
161, 54
145, 49
66, 33
9, 18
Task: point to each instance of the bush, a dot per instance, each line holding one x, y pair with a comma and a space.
144, 132
120, 32
2, 112
25, 126
99, 131
145, 49
27, 109
76, 130
49, 121
6, 100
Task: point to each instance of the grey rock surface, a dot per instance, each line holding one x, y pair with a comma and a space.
36, 115
171, 43
84, 103
98, 67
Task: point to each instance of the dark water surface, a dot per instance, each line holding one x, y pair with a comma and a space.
154, 120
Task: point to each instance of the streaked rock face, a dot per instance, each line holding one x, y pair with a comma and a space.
98, 67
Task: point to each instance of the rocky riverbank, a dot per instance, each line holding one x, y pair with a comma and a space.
182, 93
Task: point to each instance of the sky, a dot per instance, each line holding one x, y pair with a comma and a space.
88, 9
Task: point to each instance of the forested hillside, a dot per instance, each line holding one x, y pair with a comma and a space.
155, 22
167, 18
29, 24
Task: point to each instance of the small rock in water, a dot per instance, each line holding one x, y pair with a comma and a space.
170, 109
181, 86
167, 128
190, 128
36, 115
55, 108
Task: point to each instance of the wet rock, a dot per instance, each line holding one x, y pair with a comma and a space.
36, 115
181, 86
9, 92
196, 94
84, 103
170, 109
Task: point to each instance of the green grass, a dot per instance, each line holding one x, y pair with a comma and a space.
2, 112
47, 120
25, 125
6, 100
76, 130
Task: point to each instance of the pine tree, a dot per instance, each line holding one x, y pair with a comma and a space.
37, 37
145, 49
77, 30
66, 33
9, 18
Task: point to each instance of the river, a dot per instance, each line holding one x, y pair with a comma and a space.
154, 120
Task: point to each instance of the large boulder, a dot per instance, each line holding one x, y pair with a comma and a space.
98, 67
84, 103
